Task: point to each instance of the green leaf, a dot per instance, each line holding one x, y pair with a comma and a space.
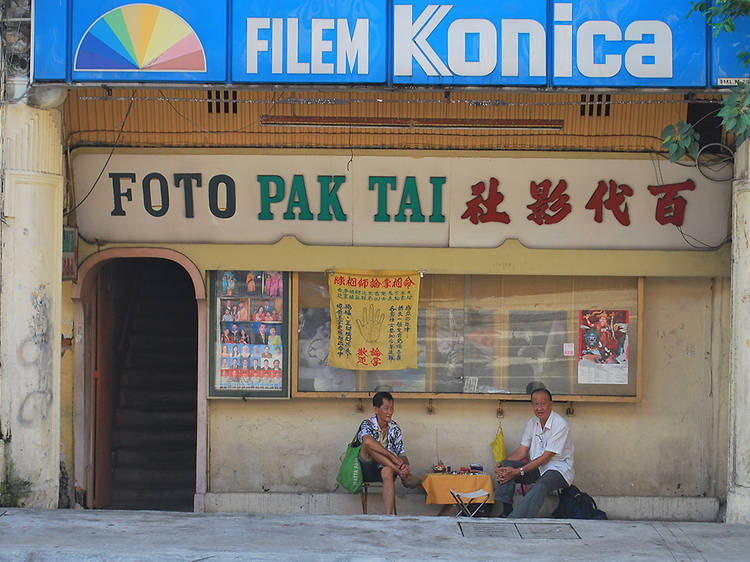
675, 152
693, 150
683, 128
668, 132
731, 122
742, 124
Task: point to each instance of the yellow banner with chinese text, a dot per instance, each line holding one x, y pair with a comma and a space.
373, 320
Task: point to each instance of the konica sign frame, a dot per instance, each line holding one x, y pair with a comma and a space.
536, 43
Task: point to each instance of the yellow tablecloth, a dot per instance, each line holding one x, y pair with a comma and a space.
438, 486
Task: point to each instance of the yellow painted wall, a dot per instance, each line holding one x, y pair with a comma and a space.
668, 444
671, 443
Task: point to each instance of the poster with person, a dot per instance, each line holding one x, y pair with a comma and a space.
249, 315
603, 350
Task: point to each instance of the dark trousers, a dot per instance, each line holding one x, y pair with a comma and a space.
532, 502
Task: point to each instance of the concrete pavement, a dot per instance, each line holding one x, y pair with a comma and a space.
62, 535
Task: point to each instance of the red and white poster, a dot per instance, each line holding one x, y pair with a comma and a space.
603, 346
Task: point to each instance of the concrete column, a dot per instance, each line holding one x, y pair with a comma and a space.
738, 478
30, 295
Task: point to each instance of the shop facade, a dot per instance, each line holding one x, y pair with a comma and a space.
533, 221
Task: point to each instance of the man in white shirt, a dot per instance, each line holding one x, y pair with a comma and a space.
546, 441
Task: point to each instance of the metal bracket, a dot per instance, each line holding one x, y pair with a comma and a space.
360, 407
569, 411
500, 411
430, 407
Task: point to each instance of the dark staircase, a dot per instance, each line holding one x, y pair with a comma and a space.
154, 417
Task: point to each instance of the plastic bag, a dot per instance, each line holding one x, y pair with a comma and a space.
498, 444
350, 474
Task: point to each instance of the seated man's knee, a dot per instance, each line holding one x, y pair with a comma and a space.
387, 472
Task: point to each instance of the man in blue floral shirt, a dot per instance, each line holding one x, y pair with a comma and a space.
382, 454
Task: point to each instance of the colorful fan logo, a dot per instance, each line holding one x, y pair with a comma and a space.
140, 37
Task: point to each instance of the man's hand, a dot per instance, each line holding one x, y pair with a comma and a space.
506, 473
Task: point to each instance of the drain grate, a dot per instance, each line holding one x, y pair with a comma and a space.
547, 531
488, 529
506, 530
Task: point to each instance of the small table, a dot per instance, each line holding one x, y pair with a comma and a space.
438, 486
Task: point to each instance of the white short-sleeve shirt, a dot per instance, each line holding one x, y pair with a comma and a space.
554, 437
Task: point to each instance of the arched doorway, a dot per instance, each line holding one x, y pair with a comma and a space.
142, 317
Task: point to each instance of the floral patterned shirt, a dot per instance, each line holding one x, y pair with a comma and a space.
395, 439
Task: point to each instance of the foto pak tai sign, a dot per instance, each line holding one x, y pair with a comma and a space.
373, 200
565, 43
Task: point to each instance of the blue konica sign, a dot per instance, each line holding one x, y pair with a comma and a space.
468, 43
634, 43
535, 43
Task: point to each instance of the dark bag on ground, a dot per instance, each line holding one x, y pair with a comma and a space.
575, 504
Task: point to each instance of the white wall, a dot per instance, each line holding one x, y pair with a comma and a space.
31, 273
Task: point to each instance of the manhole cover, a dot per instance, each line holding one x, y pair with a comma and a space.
547, 531
488, 529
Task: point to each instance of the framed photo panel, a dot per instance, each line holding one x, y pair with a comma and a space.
249, 334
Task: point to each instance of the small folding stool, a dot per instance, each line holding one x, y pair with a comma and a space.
469, 503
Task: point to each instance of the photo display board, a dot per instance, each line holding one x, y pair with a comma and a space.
249, 334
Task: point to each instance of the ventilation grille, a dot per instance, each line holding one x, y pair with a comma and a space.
222, 101
595, 105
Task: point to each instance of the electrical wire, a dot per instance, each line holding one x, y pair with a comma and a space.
106, 163
411, 100
689, 239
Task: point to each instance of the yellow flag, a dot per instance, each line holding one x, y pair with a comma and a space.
373, 320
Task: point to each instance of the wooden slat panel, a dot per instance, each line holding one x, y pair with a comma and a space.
180, 118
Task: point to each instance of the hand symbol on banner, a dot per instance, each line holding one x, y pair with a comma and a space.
371, 324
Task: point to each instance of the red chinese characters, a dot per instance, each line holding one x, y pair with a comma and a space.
376, 356
615, 201
361, 356
556, 202
480, 209
670, 207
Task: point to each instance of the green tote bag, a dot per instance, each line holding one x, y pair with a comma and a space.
350, 474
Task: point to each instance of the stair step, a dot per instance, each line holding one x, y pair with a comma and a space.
158, 504
149, 478
134, 496
144, 343
135, 418
168, 458
163, 378
156, 360
174, 400
157, 324
159, 439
